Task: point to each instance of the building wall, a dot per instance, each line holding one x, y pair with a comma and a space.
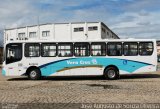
107, 33
158, 47
158, 50
32, 29
62, 31
1, 55
93, 34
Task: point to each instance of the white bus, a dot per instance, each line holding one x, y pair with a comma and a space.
110, 58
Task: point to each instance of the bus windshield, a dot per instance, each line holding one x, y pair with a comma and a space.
13, 53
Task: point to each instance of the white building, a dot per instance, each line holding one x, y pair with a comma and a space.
158, 47
61, 31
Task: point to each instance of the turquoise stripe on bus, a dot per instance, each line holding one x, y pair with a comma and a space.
3, 72
122, 64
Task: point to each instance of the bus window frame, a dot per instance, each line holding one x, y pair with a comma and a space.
149, 48
28, 51
129, 43
98, 43
121, 43
88, 50
65, 43
51, 44
7, 53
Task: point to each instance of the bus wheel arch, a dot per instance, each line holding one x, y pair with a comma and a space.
33, 73
111, 72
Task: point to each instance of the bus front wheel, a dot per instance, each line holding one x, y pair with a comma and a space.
34, 74
111, 73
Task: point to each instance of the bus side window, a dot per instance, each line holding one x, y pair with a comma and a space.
98, 49
114, 48
81, 49
130, 48
49, 50
59, 54
145, 48
32, 50
65, 49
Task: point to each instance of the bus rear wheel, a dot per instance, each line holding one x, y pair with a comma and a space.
111, 73
34, 74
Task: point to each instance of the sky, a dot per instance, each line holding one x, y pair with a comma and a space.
127, 18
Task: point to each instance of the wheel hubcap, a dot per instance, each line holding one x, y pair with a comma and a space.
111, 73
33, 74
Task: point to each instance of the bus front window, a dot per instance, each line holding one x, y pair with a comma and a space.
13, 53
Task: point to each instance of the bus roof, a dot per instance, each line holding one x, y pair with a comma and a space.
106, 40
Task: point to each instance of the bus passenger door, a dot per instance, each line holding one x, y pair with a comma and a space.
13, 56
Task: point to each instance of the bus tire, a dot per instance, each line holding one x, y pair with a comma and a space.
34, 74
111, 73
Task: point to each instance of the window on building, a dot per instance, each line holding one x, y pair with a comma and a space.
145, 48
108, 33
130, 48
32, 34
65, 49
21, 36
32, 50
158, 43
98, 49
93, 28
114, 48
79, 29
81, 49
49, 50
103, 30
45, 33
